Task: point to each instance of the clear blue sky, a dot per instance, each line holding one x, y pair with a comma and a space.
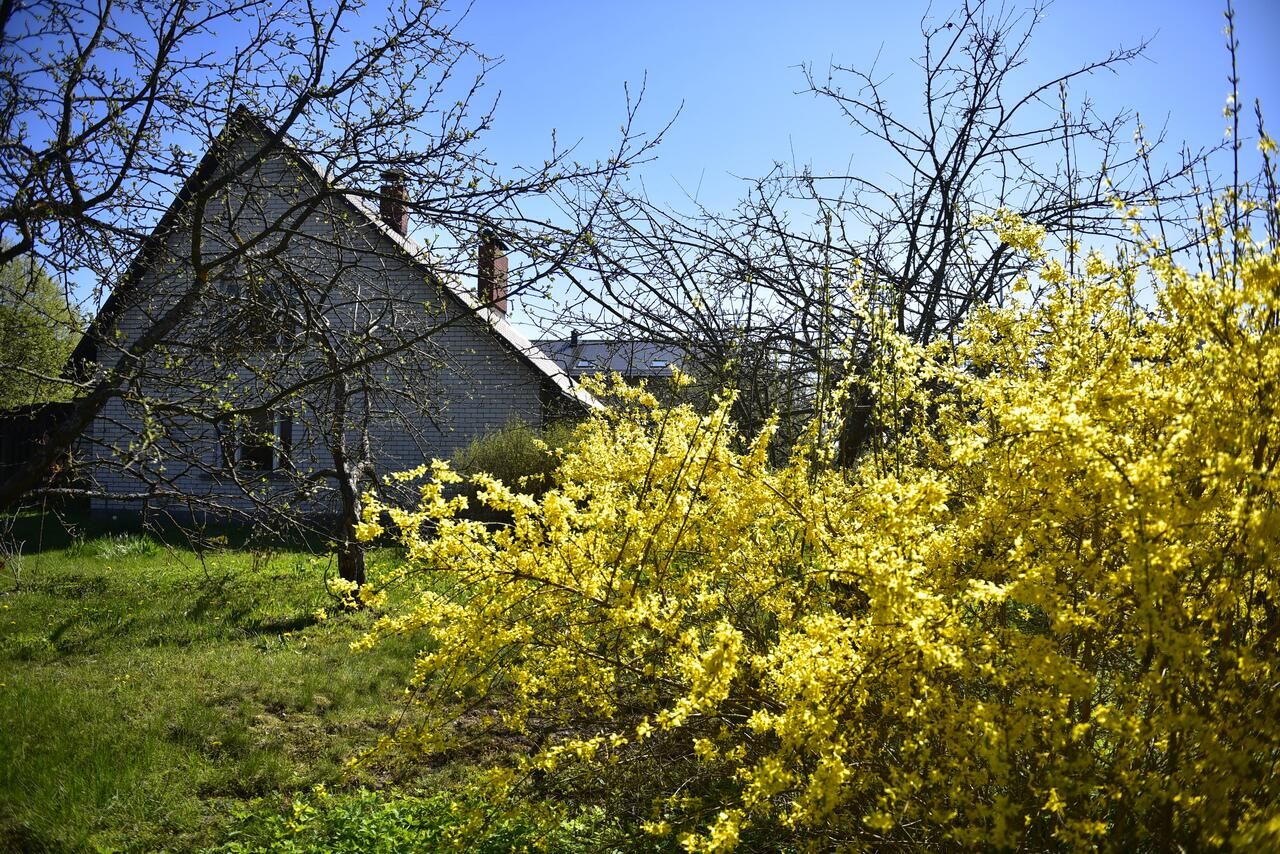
733, 66
732, 70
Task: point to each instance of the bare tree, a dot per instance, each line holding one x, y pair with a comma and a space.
773, 297
252, 297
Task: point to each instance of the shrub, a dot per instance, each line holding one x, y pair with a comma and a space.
1044, 616
518, 455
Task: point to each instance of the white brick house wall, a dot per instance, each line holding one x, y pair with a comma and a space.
371, 286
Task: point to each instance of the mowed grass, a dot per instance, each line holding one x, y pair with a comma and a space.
147, 694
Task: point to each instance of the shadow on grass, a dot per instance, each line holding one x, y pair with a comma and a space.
63, 528
15, 836
77, 613
280, 625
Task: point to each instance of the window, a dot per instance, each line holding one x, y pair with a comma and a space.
261, 442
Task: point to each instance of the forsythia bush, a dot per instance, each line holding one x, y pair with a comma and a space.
1046, 617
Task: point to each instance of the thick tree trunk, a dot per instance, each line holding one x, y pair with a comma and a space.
351, 563
350, 551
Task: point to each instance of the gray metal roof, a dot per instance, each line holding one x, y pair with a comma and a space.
633, 359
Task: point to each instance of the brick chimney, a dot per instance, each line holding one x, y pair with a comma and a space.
491, 276
392, 199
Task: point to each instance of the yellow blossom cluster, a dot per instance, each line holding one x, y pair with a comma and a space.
1047, 616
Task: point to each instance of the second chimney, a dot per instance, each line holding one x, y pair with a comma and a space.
491, 276
393, 201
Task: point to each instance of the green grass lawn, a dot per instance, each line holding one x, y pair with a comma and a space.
146, 695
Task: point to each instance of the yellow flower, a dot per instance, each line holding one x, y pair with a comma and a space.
1039, 593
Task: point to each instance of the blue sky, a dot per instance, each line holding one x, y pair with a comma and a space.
732, 71
734, 67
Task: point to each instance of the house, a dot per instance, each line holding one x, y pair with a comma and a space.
634, 360
285, 342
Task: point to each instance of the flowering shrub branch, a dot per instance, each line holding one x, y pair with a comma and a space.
1048, 616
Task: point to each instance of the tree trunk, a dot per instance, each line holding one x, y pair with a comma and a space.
350, 551
857, 428
351, 562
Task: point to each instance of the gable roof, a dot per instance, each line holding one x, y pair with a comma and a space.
279, 142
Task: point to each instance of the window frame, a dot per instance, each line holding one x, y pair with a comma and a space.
247, 447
